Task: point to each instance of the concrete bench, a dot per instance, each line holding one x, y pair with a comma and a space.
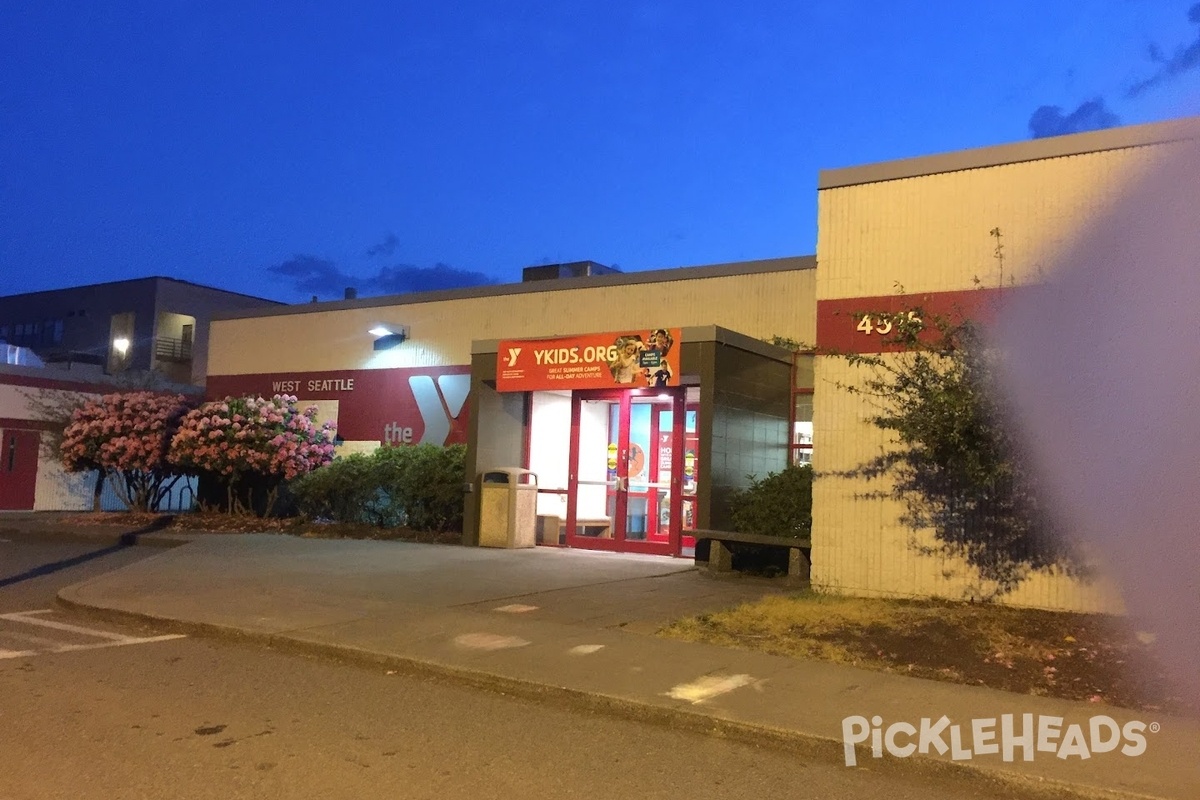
552, 529
720, 557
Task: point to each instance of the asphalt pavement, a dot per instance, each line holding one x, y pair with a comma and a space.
577, 627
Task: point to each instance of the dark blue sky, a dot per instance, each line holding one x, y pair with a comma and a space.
404, 145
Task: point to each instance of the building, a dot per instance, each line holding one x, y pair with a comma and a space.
65, 345
33, 399
146, 324
629, 455
923, 233
534, 375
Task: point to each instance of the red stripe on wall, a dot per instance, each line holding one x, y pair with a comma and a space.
38, 382
860, 324
11, 423
372, 403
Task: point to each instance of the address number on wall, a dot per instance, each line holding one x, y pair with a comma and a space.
883, 325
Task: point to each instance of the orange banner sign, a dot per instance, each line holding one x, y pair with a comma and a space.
622, 360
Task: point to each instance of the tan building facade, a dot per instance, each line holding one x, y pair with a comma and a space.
626, 457
758, 298
923, 233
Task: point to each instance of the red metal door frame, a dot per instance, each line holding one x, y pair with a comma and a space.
678, 436
618, 542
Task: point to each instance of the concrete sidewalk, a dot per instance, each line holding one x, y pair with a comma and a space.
575, 625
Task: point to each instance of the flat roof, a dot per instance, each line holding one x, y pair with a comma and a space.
788, 264
1014, 153
145, 279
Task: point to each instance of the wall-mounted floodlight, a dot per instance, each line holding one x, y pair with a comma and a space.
121, 345
388, 336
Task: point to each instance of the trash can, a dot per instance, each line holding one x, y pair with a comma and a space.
507, 508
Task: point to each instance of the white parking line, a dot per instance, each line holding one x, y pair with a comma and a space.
24, 616
29, 639
108, 638
67, 648
17, 653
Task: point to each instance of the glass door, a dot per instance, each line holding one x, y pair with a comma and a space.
599, 447
626, 471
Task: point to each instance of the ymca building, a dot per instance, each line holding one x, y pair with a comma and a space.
641, 400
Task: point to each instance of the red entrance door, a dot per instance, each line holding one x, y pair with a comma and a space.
625, 475
18, 468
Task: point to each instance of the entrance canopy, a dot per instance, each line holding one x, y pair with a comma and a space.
637, 436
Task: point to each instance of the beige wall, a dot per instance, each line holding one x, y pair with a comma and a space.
33, 403
931, 233
759, 305
927, 234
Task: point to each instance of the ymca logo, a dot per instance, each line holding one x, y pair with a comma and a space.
439, 403
513, 352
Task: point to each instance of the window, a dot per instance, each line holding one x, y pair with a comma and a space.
802, 408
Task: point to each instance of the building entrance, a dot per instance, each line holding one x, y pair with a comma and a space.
629, 472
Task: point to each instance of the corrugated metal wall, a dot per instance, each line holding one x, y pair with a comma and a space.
60, 491
932, 234
759, 305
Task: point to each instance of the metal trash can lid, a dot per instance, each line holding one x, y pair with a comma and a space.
509, 475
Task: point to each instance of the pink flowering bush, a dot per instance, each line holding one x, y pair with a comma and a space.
249, 443
126, 437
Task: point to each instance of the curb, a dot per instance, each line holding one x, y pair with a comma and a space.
94, 536
812, 746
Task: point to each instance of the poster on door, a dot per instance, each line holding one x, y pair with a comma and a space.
634, 359
664, 455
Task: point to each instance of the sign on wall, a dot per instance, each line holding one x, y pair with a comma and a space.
411, 405
621, 360
872, 324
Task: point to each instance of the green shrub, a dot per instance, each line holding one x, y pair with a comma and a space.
777, 505
419, 487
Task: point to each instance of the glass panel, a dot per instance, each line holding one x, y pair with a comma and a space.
550, 427
802, 430
804, 371
691, 470
596, 490
550, 430
648, 513
802, 427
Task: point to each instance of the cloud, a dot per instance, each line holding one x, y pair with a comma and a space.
324, 278
408, 278
384, 248
1185, 59
319, 276
1091, 115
